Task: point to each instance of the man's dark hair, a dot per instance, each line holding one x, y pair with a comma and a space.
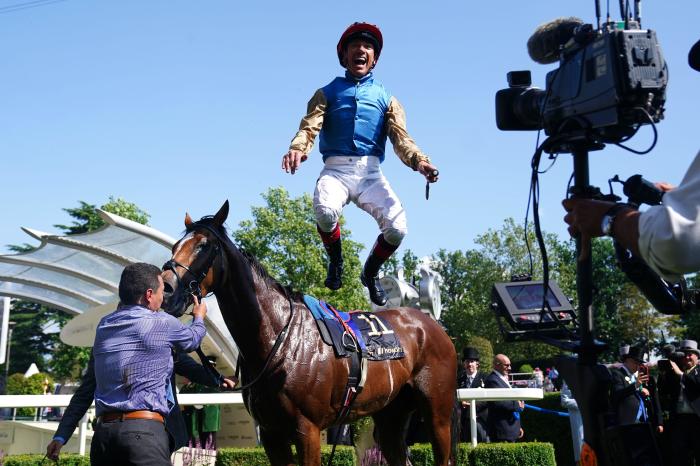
136, 279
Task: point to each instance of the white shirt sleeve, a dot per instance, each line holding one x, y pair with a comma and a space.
669, 234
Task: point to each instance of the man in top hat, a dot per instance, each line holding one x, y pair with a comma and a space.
354, 115
666, 236
470, 377
630, 395
683, 388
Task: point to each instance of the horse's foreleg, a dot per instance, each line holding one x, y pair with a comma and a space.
308, 443
277, 447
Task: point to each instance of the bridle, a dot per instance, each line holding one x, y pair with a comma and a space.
194, 287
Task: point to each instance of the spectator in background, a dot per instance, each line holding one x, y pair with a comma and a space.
470, 377
575, 420
554, 377
682, 387
537, 378
632, 397
504, 416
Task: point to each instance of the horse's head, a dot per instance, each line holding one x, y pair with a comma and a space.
192, 269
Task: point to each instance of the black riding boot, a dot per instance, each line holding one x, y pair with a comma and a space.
370, 279
334, 279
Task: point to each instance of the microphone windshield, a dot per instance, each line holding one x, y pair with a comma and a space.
543, 45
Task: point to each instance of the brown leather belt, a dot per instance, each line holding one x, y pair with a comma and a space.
123, 416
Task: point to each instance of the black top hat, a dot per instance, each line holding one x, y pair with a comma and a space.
623, 351
636, 353
694, 56
689, 346
470, 353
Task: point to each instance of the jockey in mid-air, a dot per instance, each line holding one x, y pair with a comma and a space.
354, 115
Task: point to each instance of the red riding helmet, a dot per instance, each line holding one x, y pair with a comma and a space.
365, 31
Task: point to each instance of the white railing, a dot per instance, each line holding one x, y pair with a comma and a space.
61, 401
463, 394
494, 394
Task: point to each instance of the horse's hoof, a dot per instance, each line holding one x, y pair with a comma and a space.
376, 292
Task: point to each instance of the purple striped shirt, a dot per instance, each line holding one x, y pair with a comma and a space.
133, 358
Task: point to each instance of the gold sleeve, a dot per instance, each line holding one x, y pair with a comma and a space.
311, 124
404, 146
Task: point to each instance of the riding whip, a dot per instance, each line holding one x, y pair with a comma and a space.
427, 184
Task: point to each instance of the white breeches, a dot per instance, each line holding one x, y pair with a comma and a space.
360, 180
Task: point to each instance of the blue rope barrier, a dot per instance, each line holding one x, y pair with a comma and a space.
547, 411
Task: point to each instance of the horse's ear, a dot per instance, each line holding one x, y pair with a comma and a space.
222, 214
188, 220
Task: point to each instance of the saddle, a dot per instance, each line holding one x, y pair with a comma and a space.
355, 332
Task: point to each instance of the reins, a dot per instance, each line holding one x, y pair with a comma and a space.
278, 342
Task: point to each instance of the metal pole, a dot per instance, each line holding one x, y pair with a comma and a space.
586, 373
7, 360
472, 420
584, 268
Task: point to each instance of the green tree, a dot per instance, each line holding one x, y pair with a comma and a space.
30, 342
37, 384
87, 219
502, 254
467, 278
408, 262
282, 236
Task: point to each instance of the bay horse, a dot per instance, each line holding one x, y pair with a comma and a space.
298, 383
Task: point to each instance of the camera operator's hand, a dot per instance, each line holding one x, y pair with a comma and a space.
663, 186
428, 170
584, 217
644, 392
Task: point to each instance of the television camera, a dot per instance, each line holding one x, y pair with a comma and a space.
610, 80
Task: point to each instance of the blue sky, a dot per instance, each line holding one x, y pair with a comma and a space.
178, 105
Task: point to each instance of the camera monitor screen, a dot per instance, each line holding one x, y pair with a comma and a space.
521, 303
529, 296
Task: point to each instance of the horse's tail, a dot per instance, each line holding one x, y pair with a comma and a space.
455, 427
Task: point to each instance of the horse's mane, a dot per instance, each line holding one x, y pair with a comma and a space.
207, 222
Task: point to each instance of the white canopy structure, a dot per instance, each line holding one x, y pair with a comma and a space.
79, 274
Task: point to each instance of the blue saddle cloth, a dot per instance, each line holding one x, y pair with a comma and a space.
375, 337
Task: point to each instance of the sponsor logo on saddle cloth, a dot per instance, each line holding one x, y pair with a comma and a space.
356, 331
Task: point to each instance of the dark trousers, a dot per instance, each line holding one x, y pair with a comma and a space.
684, 433
134, 442
465, 432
